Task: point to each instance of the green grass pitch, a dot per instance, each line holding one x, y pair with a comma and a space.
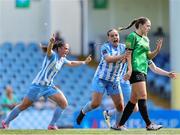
165, 131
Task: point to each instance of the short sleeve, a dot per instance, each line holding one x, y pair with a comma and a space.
104, 51
53, 55
66, 61
130, 41
150, 62
123, 48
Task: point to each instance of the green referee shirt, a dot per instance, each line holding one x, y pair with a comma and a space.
140, 48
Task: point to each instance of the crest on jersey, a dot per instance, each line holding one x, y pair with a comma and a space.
104, 52
128, 45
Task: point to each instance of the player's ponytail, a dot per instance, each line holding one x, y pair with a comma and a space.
129, 26
43, 48
136, 22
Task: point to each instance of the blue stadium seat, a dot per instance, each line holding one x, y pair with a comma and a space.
160, 81
20, 47
7, 46
34, 47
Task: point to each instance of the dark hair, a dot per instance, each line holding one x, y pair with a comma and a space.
44, 48
110, 31
136, 22
57, 44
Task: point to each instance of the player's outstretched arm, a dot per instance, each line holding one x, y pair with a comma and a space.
77, 63
160, 71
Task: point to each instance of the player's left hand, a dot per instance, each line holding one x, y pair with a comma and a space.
159, 44
127, 76
172, 75
88, 59
124, 61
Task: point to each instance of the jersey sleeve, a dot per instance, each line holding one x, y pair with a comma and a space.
150, 62
105, 51
130, 41
53, 55
123, 48
66, 61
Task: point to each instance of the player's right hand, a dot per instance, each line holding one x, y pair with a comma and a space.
52, 39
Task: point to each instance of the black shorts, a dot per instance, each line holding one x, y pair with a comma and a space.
137, 77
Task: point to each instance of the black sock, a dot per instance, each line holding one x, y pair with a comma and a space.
143, 111
126, 113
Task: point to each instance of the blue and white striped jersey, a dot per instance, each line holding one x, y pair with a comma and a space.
110, 71
50, 67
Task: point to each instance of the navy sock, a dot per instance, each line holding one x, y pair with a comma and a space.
143, 111
127, 112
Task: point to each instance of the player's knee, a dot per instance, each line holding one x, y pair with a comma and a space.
23, 107
120, 107
143, 96
95, 105
133, 99
63, 105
